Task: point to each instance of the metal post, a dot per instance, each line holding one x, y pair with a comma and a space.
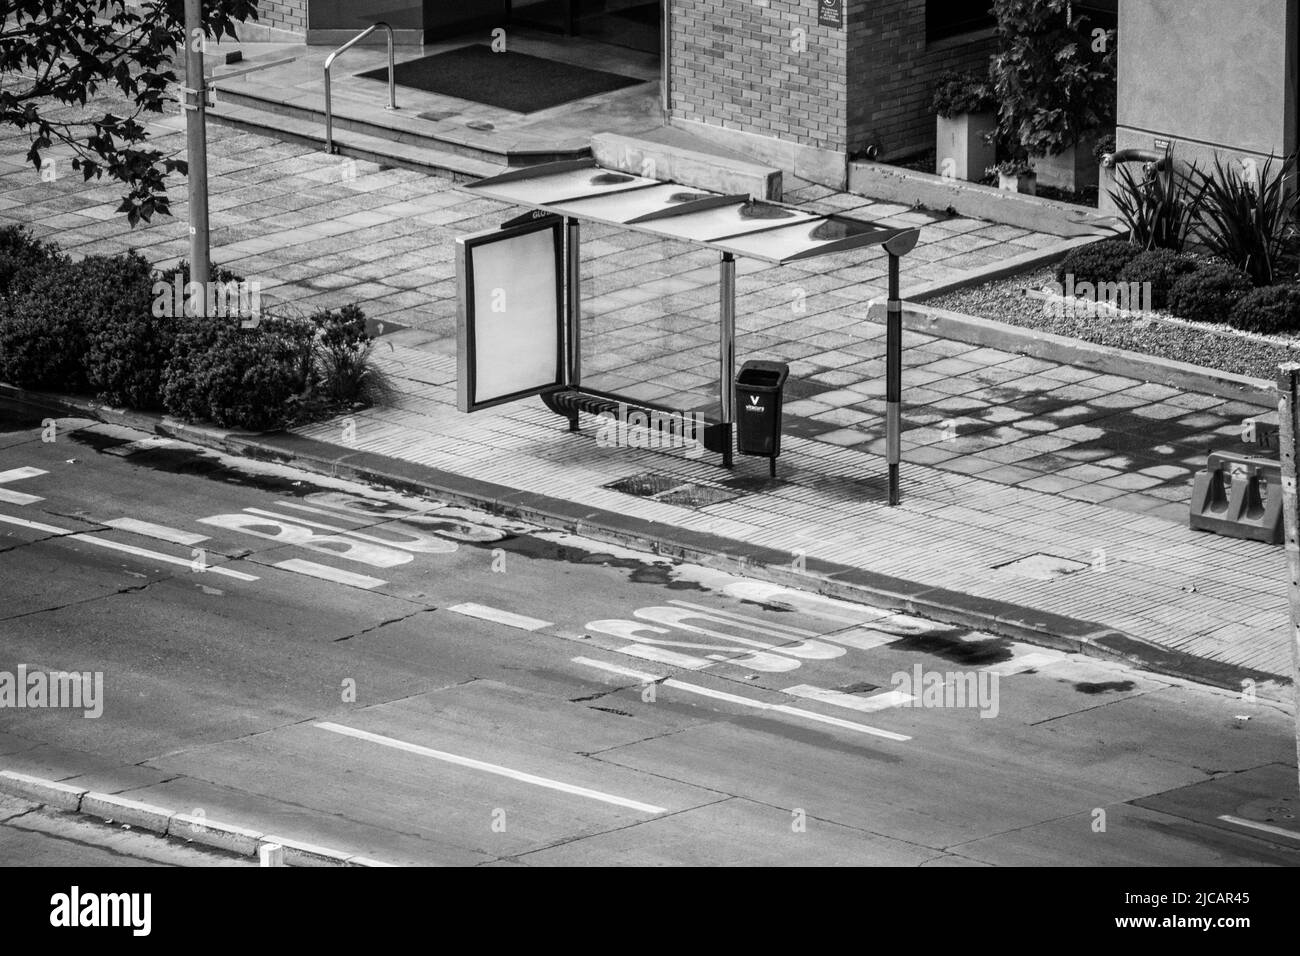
666, 54
893, 379
727, 353
1288, 407
573, 298
196, 143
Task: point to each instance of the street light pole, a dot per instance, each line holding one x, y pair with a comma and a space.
196, 144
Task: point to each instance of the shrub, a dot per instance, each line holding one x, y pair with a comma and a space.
126, 344
249, 378
1247, 218
41, 341
1104, 146
345, 372
1159, 267
23, 256
959, 93
1208, 293
1270, 309
1159, 210
1050, 86
1097, 261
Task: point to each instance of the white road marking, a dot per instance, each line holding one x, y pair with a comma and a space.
500, 771
736, 699
326, 573
744, 619
862, 639
126, 548
18, 474
160, 531
17, 497
1025, 662
664, 656
1262, 827
882, 701
416, 541
497, 616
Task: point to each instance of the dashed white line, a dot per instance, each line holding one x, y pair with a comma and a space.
492, 768
326, 573
126, 548
1262, 827
498, 616
11, 497
882, 701
150, 530
743, 701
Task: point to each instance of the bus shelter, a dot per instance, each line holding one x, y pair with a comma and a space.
519, 286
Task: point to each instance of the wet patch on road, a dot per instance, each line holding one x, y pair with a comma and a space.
950, 646
647, 571
1118, 686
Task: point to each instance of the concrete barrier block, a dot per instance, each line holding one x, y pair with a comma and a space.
222, 836
48, 792
300, 853
118, 809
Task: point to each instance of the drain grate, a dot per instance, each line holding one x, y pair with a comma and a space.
673, 491
1041, 567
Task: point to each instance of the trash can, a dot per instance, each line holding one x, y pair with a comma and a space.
758, 400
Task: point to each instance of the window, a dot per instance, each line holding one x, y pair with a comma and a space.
950, 18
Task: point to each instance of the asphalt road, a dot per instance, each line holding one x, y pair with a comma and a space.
425, 685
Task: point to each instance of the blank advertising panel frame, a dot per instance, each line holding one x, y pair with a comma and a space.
518, 353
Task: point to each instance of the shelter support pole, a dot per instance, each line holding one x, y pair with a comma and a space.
573, 299
727, 353
1288, 407
893, 380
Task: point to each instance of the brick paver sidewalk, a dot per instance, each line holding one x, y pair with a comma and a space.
1007, 457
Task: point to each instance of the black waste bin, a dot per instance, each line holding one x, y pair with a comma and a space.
758, 402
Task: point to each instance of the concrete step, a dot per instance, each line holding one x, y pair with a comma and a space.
406, 126
425, 155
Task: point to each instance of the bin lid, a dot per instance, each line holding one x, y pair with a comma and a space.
760, 229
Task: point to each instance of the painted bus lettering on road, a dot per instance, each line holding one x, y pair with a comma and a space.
338, 545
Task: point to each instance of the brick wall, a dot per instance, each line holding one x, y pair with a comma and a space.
283, 14
892, 75
734, 64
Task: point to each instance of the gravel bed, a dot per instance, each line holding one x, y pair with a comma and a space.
1210, 345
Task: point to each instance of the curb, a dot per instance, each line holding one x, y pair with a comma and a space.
1030, 625
898, 184
1006, 267
1106, 359
192, 828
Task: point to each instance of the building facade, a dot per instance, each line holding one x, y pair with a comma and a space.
807, 85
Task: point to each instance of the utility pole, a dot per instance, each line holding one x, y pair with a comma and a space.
1288, 388
195, 101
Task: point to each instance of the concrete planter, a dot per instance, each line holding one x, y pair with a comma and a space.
1026, 183
960, 148
1073, 169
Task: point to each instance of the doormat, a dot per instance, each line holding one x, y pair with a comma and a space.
511, 81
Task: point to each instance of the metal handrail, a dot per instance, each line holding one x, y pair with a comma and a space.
329, 61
